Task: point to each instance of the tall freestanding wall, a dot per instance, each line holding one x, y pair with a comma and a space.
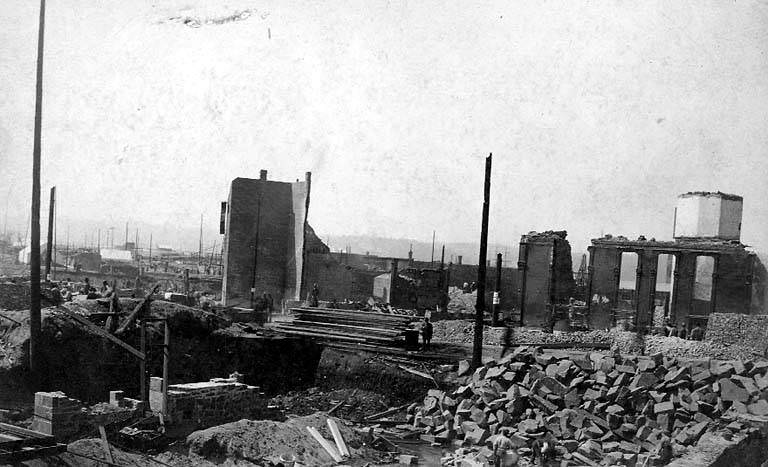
264, 239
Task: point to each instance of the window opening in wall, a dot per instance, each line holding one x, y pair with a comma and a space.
627, 299
665, 281
702, 285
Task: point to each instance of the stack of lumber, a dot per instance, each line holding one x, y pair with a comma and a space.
19, 444
354, 326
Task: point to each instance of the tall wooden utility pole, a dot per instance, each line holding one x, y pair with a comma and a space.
200, 246
477, 347
49, 247
35, 324
432, 259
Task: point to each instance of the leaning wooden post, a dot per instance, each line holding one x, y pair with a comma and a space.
477, 348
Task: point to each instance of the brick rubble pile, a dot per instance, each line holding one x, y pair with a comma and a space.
598, 408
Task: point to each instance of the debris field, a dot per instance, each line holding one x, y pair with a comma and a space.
609, 410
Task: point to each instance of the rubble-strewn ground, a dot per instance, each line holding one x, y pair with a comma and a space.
356, 405
629, 410
262, 440
462, 332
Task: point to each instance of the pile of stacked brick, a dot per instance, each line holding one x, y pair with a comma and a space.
207, 403
67, 418
623, 410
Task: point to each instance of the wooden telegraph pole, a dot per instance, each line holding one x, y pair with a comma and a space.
49, 247
34, 244
477, 347
497, 292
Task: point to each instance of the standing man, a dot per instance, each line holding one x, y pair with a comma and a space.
426, 333
314, 297
508, 337
502, 450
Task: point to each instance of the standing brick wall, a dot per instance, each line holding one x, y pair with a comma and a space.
279, 219
66, 418
205, 404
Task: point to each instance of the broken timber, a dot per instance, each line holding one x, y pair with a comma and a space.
135, 313
19, 444
329, 448
102, 333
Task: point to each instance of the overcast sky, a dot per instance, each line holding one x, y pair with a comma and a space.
598, 113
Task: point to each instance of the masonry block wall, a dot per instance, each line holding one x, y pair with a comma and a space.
66, 418
264, 239
731, 276
336, 280
205, 404
547, 275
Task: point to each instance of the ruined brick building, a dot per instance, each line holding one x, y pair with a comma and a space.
546, 275
705, 269
269, 247
265, 229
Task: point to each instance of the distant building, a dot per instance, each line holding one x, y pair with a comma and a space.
111, 254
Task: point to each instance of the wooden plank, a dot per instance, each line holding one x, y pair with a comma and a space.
340, 444
33, 453
386, 332
389, 411
337, 406
374, 316
329, 448
23, 432
105, 443
300, 330
102, 333
10, 319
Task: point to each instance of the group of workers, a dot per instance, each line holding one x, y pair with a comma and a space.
505, 455
681, 331
68, 289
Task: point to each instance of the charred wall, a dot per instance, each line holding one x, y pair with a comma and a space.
264, 239
547, 275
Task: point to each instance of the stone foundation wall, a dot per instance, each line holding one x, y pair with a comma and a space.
210, 403
735, 328
66, 418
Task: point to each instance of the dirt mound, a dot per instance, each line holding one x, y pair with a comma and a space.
460, 302
357, 403
15, 296
261, 441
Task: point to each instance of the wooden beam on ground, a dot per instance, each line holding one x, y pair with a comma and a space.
102, 333
10, 319
329, 448
105, 444
390, 411
337, 406
340, 444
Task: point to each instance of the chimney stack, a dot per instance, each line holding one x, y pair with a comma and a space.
263, 175
458, 259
